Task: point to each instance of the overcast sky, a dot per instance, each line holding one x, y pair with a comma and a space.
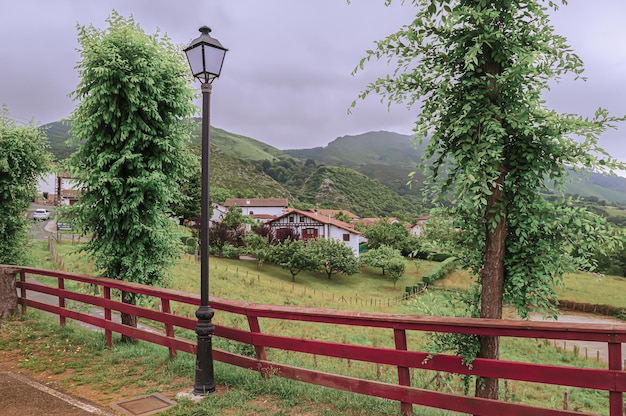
287, 76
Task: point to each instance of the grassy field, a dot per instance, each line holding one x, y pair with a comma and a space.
368, 290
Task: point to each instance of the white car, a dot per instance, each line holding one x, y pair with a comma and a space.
41, 214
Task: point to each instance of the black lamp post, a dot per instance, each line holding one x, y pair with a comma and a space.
205, 55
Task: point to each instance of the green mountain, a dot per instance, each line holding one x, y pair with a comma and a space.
58, 134
242, 179
388, 158
366, 174
339, 187
374, 148
242, 147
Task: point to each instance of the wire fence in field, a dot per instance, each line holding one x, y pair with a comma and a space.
303, 290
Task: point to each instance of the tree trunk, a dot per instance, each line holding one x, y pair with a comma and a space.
492, 281
8, 293
128, 319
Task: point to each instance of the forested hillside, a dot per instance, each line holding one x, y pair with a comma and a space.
367, 174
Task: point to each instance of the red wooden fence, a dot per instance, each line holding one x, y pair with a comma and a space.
612, 379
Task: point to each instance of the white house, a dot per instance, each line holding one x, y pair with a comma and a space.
46, 189
260, 208
66, 184
218, 213
418, 227
57, 189
314, 225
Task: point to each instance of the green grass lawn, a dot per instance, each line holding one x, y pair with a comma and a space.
367, 291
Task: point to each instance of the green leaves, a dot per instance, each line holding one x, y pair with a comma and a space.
134, 96
23, 160
477, 71
332, 256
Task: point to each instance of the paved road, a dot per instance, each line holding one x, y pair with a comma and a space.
22, 395
591, 350
40, 230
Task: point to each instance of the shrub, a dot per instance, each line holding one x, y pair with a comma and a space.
440, 271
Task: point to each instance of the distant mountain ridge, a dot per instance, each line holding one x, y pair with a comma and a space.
380, 147
327, 177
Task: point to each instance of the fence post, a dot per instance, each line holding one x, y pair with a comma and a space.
61, 285
616, 398
169, 328
404, 376
23, 290
107, 315
8, 294
259, 351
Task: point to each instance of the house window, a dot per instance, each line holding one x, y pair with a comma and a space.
308, 233
290, 219
346, 237
282, 233
301, 218
251, 213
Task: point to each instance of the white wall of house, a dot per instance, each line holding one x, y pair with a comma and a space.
417, 229
274, 211
346, 237
218, 212
304, 225
47, 184
68, 183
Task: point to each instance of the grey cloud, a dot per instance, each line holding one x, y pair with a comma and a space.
286, 79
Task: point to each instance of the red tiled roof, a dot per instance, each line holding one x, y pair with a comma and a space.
69, 193
263, 216
333, 212
257, 202
324, 219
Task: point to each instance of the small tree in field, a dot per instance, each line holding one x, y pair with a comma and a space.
395, 269
477, 69
380, 257
257, 246
293, 256
383, 233
133, 97
332, 256
23, 159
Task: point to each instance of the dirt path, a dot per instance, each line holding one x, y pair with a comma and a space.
591, 350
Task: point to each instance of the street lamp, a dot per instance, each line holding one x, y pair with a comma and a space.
205, 55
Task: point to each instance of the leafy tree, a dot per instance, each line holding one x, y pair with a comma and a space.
233, 218
283, 234
187, 204
221, 235
134, 90
332, 256
439, 232
341, 216
23, 160
293, 256
257, 246
477, 69
220, 195
413, 247
396, 268
389, 259
383, 233
380, 257
611, 262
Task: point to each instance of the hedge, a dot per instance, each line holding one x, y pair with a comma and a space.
440, 271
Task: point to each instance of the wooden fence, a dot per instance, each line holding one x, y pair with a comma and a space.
612, 379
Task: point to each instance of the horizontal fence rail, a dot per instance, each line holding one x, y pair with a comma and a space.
612, 379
